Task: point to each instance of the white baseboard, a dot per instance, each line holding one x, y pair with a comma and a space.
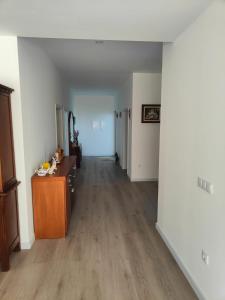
180, 263
27, 245
142, 179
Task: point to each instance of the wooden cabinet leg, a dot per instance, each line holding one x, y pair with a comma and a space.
17, 248
5, 261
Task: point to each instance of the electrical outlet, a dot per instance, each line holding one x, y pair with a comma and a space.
205, 257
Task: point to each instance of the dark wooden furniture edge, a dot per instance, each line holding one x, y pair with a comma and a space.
6, 245
6, 89
10, 188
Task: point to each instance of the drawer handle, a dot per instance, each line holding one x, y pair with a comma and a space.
73, 176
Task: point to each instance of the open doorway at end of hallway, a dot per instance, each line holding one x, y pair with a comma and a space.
94, 112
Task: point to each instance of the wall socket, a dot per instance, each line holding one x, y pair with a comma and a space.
205, 185
205, 257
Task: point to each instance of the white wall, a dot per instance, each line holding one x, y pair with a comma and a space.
40, 92
38, 88
193, 144
9, 76
94, 113
142, 155
145, 137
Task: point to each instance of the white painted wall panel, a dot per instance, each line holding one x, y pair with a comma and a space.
193, 144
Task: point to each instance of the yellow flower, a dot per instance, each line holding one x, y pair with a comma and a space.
46, 165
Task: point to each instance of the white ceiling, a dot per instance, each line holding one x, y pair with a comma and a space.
135, 20
106, 64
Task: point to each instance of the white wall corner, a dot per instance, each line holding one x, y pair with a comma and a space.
27, 245
181, 264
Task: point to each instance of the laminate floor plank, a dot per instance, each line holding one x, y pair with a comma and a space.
112, 251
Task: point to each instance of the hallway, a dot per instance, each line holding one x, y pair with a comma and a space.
112, 252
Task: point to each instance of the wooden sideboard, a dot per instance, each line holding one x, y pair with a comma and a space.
77, 151
9, 220
53, 200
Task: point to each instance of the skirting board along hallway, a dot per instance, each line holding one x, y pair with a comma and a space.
181, 264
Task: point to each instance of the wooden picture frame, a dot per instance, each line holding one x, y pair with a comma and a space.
150, 113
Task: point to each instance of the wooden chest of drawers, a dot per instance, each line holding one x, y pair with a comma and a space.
52, 201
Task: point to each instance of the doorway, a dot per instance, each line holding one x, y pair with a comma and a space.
96, 122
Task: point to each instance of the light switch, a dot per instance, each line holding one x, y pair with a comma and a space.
199, 182
205, 185
209, 188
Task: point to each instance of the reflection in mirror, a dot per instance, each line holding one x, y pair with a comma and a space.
71, 128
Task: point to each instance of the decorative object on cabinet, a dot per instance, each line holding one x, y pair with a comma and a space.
74, 147
48, 168
59, 154
150, 113
9, 220
53, 167
46, 165
53, 198
41, 172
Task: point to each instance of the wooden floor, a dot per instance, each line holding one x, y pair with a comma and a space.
112, 252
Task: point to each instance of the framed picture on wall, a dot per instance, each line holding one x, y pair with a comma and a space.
150, 113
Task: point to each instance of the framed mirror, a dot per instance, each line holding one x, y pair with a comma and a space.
71, 128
